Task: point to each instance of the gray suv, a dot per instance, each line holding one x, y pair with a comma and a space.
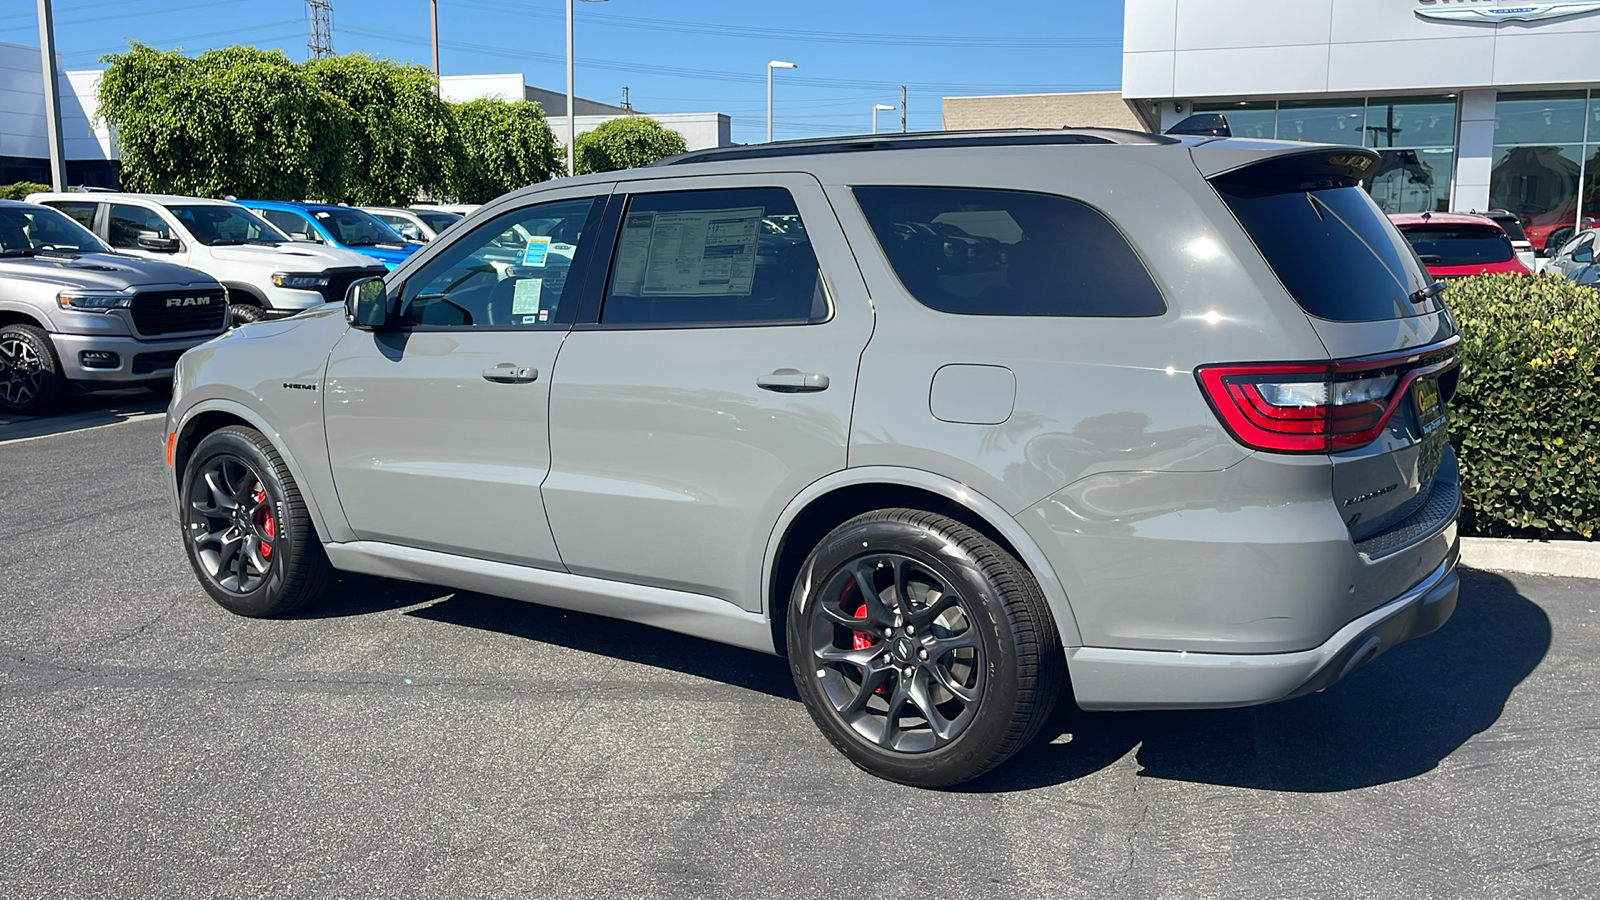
75, 315
960, 423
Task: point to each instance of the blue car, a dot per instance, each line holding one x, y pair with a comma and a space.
337, 226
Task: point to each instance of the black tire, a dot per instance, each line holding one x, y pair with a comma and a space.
964, 590
244, 314
30, 375
254, 504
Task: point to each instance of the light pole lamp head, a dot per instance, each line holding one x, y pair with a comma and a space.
780, 64
883, 106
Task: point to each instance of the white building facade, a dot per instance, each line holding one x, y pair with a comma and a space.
24, 145
1473, 104
701, 131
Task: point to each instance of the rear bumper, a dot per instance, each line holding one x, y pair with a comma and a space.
1111, 679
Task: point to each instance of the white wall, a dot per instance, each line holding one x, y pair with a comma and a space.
22, 125
700, 130
1219, 48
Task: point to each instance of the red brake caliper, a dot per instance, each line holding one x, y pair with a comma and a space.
264, 520
861, 640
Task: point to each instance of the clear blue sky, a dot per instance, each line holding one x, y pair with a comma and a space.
674, 55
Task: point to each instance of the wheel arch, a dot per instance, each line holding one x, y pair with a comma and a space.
25, 316
832, 500
251, 294
211, 415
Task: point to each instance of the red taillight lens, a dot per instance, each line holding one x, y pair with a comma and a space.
1302, 408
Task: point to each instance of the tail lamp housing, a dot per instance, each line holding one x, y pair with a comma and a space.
1318, 407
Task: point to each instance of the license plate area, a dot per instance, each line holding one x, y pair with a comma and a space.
1430, 410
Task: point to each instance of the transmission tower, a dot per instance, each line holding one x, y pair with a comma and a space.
320, 12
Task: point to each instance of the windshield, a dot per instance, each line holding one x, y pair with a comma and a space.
438, 221
215, 224
356, 228
26, 230
1334, 250
1459, 245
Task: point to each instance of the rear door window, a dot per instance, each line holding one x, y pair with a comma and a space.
986, 252
82, 212
1334, 250
1458, 245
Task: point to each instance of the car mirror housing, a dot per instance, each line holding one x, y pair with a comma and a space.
1583, 255
366, 304
156, 242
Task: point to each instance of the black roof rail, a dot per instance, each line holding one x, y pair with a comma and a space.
920, 140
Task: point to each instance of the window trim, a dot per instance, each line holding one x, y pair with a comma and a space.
883, 254
582, 264
593, 308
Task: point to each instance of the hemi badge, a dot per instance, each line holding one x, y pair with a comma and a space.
297, 386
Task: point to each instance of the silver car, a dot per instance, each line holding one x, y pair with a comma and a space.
990, 415
1575, 261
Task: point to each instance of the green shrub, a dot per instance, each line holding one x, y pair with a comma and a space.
1525, 422
625, 143
21, 190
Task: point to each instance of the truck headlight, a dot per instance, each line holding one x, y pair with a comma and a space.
92, 302
300, 280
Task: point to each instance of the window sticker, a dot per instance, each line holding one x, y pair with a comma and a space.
525, 296
633, 255
537, 250
692, 253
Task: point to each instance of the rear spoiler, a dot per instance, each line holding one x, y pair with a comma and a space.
1284, 165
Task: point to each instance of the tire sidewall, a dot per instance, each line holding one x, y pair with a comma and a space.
974, 747
285, 546
51, 382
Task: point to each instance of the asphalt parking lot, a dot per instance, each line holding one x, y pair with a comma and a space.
407, 741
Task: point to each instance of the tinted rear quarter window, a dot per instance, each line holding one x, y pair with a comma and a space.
83, 213
986, 252
1332, 247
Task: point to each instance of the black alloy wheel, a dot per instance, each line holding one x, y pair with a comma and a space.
923, 650
246, 529
30, 379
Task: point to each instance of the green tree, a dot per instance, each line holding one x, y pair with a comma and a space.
403, 139
238, 121
505, 145
625, 143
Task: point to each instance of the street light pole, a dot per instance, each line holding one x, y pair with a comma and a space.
875, 108
572, 116
52, 97
435, 5
774, 64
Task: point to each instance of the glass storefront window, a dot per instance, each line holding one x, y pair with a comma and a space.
1540, 184
1539, 118
1301, 120
1411, 122
1410, 181
1251, 120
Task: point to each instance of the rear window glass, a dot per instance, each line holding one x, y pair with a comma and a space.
1332, 247
1459, 245
1008, 253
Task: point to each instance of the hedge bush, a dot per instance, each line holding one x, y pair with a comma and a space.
21, 190
625, 143
1525, 421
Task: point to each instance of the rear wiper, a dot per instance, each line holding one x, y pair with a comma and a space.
1424, 294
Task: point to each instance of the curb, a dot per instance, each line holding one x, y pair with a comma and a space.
1570, 559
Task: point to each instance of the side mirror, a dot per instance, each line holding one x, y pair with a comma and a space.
1584, 254
156, 243
366, 304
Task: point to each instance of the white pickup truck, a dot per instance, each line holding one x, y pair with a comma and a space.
266, 273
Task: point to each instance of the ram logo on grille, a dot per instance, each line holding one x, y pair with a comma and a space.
188, 301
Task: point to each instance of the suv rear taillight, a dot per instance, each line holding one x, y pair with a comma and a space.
1315, 407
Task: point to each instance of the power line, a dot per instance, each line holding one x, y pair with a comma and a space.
121, 16
175, 42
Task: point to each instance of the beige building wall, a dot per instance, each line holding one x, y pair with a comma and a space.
1092, 109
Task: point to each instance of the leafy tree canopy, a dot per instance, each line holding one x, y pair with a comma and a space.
403, 139
625, 143
506, 144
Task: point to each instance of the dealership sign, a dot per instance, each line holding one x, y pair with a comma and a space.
1483, 12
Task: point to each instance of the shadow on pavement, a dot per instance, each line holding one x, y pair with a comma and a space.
1393, 719
84, 411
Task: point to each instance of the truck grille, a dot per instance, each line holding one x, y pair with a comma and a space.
339, 281
173, 312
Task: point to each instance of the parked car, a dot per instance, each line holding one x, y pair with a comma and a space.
73, 315
1165, 448
345, 227
417, 225
460, 209
1454, 245
267, 275
1576, 260
1526, 254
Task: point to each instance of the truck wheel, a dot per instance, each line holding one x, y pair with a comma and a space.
246, 529
244, 314
923, 650
30, 375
